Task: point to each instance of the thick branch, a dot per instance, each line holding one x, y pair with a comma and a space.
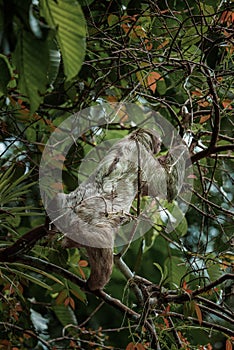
23, 244
210, 151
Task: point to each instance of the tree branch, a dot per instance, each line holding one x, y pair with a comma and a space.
213, 311
129, 313
216, 124
210, 151
23, 244
211, 326
185, 297
25, 331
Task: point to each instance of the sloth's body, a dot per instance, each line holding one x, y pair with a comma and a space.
91, 215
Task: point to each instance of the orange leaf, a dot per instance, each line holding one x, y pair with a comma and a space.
125, 27
167, 308
138, 346
81, 273
72, 303
67, 301
227, 17
83, 263
199, 313
203, 103
166, 322
197, 92
204, 118
228, 344
148, 45
161, 46
111, 98
152, 79
138, 32
185, 288
227, 104
134, 31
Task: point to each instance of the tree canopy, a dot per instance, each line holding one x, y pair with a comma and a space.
168, 290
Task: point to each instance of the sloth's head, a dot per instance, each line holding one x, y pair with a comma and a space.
148, 138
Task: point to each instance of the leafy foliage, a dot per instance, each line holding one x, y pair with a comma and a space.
175, 57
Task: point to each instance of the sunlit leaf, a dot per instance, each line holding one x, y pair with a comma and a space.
198, 313
148, 45
67, 18
204, 118
152, 79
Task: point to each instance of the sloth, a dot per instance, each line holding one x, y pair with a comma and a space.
91, 215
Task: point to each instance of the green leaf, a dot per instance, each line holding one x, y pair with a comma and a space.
161, 87
27, 277
214, 271
14, 221
176, 270
179, 221
65, 314
41, 272
32, 59
207, 8
112, 20
189, 308
77, 292
55, 59
5, 75
161, 272
68, 20
149, 237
